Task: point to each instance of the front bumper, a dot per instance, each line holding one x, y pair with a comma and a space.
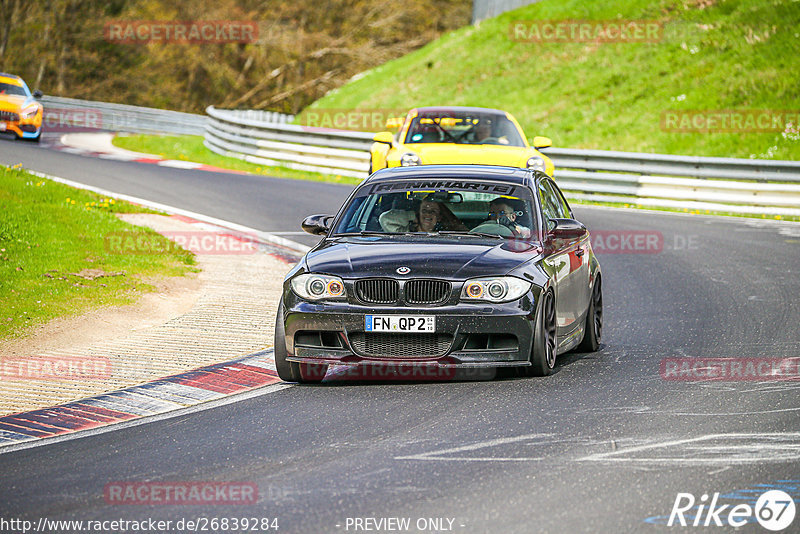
24, 128
467, 335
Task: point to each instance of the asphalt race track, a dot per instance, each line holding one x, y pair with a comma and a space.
606, 444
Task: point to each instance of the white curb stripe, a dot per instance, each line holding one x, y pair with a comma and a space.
266, 236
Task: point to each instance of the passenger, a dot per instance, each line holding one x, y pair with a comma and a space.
430, 216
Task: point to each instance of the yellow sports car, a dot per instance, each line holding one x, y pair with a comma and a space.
459, 135
20, 113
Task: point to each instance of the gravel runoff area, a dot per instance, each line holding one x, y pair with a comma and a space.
227, 312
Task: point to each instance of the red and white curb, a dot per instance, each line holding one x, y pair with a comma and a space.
200, 389
168, 394
274, 246
99, 145
283, 248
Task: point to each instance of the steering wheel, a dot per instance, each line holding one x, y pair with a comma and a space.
491, 227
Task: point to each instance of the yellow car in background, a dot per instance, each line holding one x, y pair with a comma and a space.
459, 135
20, 113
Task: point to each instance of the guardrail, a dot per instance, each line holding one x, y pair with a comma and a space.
656, 180
696, 183
231, 133
72, 115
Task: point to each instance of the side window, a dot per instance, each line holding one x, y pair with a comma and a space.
549, 210
561, 201
554, 200
355, 212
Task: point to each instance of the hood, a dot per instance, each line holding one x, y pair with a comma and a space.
450, 258
449, 154
14, 102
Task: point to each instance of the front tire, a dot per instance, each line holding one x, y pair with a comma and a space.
293, 371
593, 328
543, 351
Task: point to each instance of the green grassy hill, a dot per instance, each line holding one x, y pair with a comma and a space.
711, 55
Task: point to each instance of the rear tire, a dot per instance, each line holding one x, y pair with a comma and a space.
293, 371
543, 351
593, 328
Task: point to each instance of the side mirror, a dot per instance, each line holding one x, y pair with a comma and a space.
566, 228
317, 224
542, 142
383, 137
37, 94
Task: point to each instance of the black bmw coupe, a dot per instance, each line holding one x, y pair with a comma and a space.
442, 267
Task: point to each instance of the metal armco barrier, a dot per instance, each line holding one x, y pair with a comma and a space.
695, 183
71, 115
345, 153
657, 180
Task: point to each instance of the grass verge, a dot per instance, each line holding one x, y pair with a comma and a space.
710, 55
53, 256
191, 148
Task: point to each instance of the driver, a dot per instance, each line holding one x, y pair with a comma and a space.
483, 130
502, 211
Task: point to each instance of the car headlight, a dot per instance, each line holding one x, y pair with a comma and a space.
495, 289
318, 287
409, 159
29, 112
536, 163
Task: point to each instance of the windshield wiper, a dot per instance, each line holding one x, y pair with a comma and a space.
476, 234
362, 232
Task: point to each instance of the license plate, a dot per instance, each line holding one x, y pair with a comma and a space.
400, 323
2, 126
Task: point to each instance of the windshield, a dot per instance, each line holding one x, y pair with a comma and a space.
463, 128
439, 206
11, 89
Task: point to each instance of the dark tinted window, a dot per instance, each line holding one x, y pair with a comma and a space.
463, 128
439, 206
11, 89
553, 204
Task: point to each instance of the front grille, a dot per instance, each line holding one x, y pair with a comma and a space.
426, 291
9, 116
377, 291
390, 345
